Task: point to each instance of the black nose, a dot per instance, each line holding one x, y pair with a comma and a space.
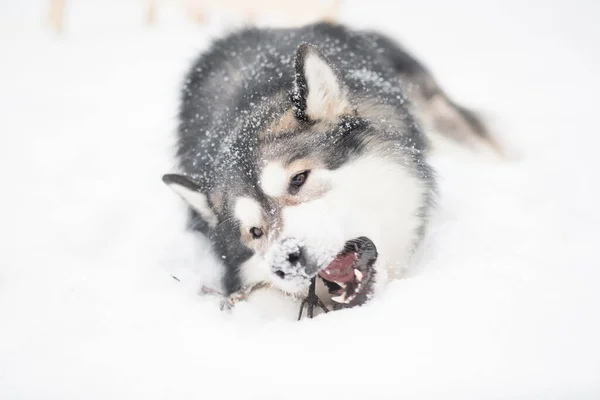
296, 256
280, 274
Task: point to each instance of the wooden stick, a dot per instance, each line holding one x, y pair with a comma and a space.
311, 301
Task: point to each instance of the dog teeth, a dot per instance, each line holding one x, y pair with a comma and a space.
359, 275
339, 299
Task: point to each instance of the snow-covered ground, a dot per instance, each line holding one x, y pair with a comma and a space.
502, 302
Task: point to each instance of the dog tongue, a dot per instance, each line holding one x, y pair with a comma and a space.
340, 269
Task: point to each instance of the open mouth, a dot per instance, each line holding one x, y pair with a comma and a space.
349, 276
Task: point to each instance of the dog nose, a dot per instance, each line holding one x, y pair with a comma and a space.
295, 256
295, 261
288, 258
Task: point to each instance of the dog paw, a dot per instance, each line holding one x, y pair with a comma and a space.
227, 302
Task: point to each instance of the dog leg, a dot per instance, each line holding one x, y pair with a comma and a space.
56, 15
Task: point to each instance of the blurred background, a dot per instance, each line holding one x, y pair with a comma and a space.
503, 298
480, 50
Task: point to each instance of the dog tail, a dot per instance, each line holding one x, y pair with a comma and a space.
443, 119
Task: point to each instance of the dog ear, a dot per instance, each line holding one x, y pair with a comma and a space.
318, 92
191, 192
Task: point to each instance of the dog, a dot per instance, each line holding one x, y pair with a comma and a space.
303, 154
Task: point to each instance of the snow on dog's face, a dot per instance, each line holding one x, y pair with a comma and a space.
334, 165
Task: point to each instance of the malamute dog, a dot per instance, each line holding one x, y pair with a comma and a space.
303, 153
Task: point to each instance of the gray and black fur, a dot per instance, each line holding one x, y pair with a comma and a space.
238, 89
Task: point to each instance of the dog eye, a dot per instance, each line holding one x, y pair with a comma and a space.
297, 181
256, 232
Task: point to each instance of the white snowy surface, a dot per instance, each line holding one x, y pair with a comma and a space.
502, 302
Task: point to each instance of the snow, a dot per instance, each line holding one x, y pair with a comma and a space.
502, 300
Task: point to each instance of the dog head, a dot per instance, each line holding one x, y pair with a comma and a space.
334, 163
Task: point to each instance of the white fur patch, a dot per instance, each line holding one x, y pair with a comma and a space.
255, 270
248, 211
274, 180
197, 201
370, 197
325, 98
